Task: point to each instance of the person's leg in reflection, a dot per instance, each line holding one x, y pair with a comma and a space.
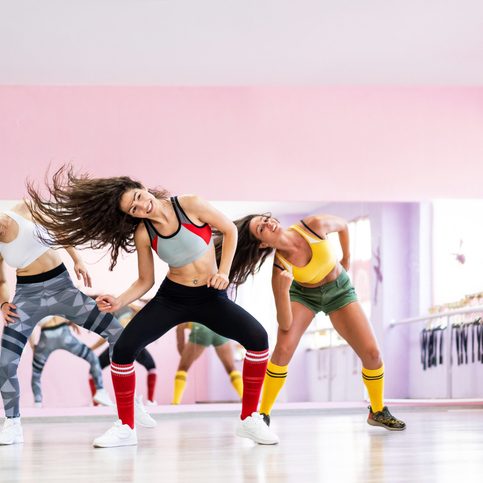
146, 360
224, 351
189, 351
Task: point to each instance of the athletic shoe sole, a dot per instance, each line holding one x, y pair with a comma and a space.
375, 423
243, 434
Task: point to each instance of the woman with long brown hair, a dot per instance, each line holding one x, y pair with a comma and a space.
307, 279
121, 214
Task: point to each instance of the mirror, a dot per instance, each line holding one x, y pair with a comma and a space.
405, 259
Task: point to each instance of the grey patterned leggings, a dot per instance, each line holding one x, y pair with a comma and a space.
36, 297
61, 337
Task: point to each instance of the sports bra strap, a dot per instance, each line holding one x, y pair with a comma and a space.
179, 211
310, 239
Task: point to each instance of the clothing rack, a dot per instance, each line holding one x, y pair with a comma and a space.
447, 319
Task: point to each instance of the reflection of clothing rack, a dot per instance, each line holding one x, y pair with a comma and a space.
448, 333
465, 337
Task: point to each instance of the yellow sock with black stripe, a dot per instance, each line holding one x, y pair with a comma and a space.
374, 382
237, 382
179, 386
275, 378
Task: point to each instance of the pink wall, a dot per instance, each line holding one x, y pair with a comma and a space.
238, 143
242, 143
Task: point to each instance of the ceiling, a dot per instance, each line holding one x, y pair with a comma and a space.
235, 42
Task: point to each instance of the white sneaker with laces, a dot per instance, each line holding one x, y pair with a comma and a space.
151, 403
253, 427
11, 432
117, 435
141, 415
38, 404
101, 397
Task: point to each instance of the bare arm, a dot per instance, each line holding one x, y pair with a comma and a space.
8, 309
281, 281
145, 280
205, 212
79, 267
324, 224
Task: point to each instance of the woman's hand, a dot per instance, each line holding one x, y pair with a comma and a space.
8, 312
346, 263
81, 271
283, 281
219, 280
107, 303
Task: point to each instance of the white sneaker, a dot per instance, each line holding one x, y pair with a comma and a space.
11, 432
117, 435
151, 403
141, 416
101, 397
38, 404
253, 427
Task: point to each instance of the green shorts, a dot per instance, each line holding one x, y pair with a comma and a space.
201, 335
328, 297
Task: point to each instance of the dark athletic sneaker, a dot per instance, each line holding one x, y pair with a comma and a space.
266, 418
385, 419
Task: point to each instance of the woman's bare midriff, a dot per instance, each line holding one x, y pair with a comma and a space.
47, 261
197, 273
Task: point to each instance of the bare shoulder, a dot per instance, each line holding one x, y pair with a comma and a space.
190, 201
317, 223
22, 209
323, 224
141, 235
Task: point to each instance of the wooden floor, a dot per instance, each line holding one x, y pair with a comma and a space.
440, 445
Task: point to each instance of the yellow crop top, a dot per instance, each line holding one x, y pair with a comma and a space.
319, 266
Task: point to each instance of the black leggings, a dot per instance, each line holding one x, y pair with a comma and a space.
174, 304
144, 358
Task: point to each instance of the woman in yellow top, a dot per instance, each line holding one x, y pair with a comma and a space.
307, 279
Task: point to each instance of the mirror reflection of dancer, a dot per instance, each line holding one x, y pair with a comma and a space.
122, 214
142, 417
43, 288
307, 279
199, 339
56, 333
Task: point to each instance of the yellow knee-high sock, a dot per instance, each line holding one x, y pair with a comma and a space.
179, 386
374, 382
237, 382
272, 384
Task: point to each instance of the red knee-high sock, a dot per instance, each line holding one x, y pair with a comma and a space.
124, 382
93, 388
151, 384
254, 367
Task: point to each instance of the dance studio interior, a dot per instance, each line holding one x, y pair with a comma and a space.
349, 130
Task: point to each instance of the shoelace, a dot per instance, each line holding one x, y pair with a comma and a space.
114, 428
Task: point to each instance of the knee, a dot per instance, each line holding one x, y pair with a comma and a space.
283, 353
123, 352
258, 341
372, 358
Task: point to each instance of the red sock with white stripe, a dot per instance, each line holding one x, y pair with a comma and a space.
124, 382
151, 384
254, 367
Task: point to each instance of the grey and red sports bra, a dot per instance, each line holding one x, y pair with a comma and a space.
188, 243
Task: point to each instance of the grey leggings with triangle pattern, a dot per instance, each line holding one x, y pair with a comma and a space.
34, 301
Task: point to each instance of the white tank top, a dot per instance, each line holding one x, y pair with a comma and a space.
27, 247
